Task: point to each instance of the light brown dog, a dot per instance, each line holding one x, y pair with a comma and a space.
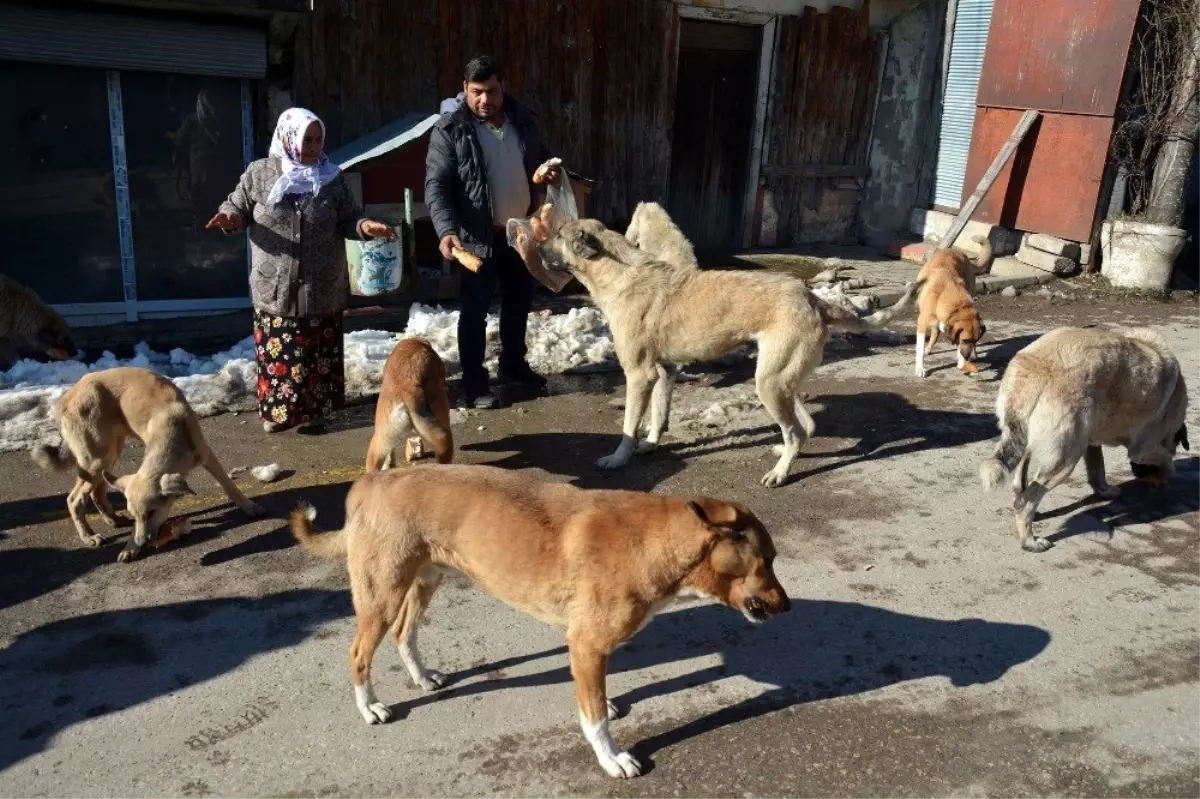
601, 563
95, 416
411, 399
652, 229
1073, 391
946, 303
665, 314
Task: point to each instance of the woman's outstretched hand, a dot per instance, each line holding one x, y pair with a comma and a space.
376, 230
225, 221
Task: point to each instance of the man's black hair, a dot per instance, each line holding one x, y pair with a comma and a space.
480, 69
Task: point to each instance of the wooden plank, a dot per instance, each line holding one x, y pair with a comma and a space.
818, 171
989, 177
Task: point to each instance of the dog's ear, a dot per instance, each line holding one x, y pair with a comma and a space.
585, 245
982, 331
1181, 438
723, 518
173, 485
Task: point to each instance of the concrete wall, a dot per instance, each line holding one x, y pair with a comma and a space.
904, 123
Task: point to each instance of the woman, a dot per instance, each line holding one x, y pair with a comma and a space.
298, 209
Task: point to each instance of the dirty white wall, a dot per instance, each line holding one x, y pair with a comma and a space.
900, 158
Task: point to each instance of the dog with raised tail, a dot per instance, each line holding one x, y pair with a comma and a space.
599, 563
1072, 392
663, 314
947, 304
412, 399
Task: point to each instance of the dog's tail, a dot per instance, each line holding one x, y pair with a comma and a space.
983, 261
845, 319
430, 427
323, 545
53, 459
1010, 461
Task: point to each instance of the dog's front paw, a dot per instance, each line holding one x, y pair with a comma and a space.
93, 540
128, 554
430, 680
920, 371
375, 712
1035, 544
254, 510
622, 766
614, 461
645, 446
773, 479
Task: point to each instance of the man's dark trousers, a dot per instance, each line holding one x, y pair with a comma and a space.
506, 270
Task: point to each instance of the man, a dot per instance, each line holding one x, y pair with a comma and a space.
478, 175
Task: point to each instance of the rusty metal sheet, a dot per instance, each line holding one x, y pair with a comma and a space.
1052, 183
1057, 55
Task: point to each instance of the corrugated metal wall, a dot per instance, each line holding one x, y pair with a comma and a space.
600, 74
958, 107
129, 42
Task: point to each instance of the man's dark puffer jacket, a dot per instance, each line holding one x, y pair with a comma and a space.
456, 190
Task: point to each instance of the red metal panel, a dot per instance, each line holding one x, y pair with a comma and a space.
1052, 183
1057, 55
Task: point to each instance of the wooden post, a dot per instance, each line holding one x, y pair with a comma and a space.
989, 177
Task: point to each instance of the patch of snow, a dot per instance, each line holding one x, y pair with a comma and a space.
225, 382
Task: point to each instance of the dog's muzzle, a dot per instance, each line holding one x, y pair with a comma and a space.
551, 259
759, 610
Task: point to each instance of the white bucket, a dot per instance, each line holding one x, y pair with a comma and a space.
1140, 255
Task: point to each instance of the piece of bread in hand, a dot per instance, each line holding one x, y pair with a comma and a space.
539, 223
539, 175
468, 259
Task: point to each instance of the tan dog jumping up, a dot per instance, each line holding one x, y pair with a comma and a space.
96, 415
601, 563
946, 303
411, 399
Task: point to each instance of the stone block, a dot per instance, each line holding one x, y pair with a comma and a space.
914, 252
1053, 245
1054, 264
932, 225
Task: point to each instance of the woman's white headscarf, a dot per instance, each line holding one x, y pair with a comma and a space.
298, 177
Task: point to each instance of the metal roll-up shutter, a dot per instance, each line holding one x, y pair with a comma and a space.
958, 107
127, 42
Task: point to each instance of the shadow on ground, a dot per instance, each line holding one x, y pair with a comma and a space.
31, 572
820, 650
69, 671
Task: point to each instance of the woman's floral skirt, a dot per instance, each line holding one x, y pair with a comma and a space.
300, 370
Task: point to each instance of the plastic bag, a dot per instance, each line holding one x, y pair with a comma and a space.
382, 266
524, 235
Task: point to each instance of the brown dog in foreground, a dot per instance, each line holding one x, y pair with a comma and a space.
946, 304
96, 415
412, 399
601, 563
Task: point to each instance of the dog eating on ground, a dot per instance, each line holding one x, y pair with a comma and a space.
25, 319
666, 314
412, 399
95, 416
1072, 392
947, 304
600, 563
